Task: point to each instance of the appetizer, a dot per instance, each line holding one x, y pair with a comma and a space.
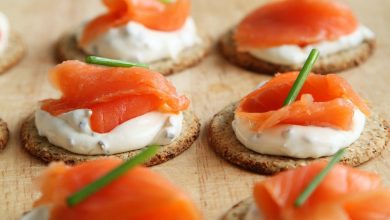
159, 33
344, 193
268, 130
137, 194
278, 36
4, 134
11, 46
109, 111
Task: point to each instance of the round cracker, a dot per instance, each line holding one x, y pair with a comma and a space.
4, 134
67, 49
371, 143
239, 210
13, 53
329, 64
40, 147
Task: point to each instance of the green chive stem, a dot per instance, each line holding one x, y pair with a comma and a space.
297, 86
111, 62
167, 1
318, 179
103, 181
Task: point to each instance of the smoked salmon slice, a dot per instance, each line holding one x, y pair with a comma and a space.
114, 95
139, 194
297, 22
345, 193
324, 100
153, 14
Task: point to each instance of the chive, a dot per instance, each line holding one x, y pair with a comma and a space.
318, 179
111, 62
167, 1
297, 86
103, 181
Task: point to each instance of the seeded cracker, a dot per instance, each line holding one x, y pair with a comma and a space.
374, 139
42, 149
330, 64
66, 49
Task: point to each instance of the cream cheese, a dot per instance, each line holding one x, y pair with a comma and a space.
298, 141
296, 55
38, 213
4, 32
135, 42
72, 131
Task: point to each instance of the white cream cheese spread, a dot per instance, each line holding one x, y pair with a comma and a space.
298, 141
4, 32
38, 213
253, 213
296, 55
135, 42
72, 131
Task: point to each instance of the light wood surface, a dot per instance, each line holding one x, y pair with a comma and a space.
214, 184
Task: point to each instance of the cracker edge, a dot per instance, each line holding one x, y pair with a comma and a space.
267, 164
338, 62
66, 49
14, 52
238, 211
4, 134
32, 143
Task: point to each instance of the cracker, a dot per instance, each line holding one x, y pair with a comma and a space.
67, 49
42, 149
4, 134
13, 53
340, 61
374, 139
239, 210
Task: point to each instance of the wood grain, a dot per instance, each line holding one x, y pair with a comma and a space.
214, 184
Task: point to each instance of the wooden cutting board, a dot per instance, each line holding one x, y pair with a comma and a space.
214, 184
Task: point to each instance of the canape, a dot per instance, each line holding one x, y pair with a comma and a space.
263, 134
159, 33
109, 111
137, 194
345, 193
278, 36
12, 48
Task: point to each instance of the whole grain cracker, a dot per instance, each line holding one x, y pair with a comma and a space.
340, 61
41, 148
374, 139
67, 49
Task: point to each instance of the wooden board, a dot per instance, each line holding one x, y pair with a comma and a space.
214, 184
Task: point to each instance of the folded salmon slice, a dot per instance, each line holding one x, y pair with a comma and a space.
138, 194
345, 193
153, 14
324, 100
297, 22
114, 95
